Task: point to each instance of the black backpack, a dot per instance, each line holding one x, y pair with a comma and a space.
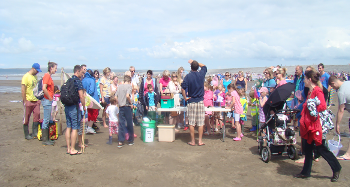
69, 94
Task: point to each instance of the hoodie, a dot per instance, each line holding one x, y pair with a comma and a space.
89, 84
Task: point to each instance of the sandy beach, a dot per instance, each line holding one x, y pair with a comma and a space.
28, 163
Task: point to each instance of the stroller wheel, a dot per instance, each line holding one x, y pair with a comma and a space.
260, 145
292, 152
266, 154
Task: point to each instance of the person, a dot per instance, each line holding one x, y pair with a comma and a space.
253, 103
48, 89
114, 85
84, 118
281, 76
164, 81
343, 88
237, 108
113, 116
194, 82
262, 100
89, 84
56, 97
97, 79
180, 74
311, 130
125, 112
325, 82
219, 101
135, 81
83, 67
30, 102
143, 88
208, 102
151, 99
299, 88
269, 79
105, 89
226, 81
241, 81
174, 87
244, 102
72, 113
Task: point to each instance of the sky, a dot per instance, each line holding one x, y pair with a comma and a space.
158, 35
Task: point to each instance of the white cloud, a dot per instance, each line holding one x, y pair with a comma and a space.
60, 49
25, 45
82, 58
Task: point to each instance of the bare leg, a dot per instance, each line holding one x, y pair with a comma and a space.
200, 133
90, 123
346, 155
104, 117
193, 142
68, 131
73, 140
238, 128
80, 139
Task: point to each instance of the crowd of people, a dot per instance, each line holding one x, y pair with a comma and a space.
121, 99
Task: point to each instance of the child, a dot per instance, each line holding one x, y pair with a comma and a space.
244, 103
262, 100
219, 101
151, 99
56, 97
84, 117
134, 99
254, 103
237, 110
208, 101
112, 113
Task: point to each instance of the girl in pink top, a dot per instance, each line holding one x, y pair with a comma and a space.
208, 101
238, 110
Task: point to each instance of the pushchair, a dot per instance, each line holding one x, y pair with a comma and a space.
275, 136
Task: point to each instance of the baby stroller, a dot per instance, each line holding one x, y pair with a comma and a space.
278, 138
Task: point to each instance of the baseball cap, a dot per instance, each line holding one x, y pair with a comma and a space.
36, 66
264, 89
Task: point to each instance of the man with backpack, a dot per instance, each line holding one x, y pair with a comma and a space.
71, 95
30, 102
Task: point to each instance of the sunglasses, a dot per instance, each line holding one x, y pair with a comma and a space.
174, 76
227, 75
132, 71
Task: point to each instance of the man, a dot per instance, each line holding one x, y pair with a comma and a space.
125, 112
325, 81
344, 104
83, 68
30, 102
134, 78
73, 113
194, 83
299, 88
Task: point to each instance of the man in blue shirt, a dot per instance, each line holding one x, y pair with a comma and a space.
324, 79
194, 83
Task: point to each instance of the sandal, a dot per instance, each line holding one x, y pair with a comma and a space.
76, 153
189, 143
120, 145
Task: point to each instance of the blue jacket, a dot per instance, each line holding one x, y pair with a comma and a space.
89, 84
301, 84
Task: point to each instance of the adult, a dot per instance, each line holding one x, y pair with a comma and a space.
83, 68
180, 74
324, 76
105, 89
241, 81
135, 81
48, 89
30, 102
281, 76
89, 84
226, 81
299, 88
269, 79
175, 88
73, 113
97, 79
194, 82
164, 81
311, 130
343, 104
114, 85
143, 88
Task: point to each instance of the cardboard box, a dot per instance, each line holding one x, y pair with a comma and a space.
166, 133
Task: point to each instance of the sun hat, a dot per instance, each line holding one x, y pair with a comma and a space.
263, 89
36, 66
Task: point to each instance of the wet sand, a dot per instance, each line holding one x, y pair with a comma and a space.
28, 163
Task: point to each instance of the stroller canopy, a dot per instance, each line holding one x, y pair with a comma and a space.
278, 97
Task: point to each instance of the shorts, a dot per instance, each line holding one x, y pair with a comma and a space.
152, 108
92, 114
107, 100
113, 127
196, 113
73, 116
237, 116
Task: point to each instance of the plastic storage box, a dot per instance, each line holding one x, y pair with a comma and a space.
166, 133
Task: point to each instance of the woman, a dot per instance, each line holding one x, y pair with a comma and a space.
48, 89
268, 78
241, 81
114, 85
180, 74
226, 81
97, 78
174, 87
143, 88
89, 84
164, 81
311, 130
105, 89
281, 77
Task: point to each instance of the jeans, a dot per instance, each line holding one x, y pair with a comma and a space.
125, 124
73, 116
47, 105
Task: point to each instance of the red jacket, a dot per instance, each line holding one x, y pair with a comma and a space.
310, 127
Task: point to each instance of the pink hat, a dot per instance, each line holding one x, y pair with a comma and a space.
264, 89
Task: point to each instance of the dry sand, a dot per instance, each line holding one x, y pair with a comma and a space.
28, 163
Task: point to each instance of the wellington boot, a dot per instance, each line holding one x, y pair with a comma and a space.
26, 132
35, 130
45, 137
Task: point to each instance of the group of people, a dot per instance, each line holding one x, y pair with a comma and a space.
120, 99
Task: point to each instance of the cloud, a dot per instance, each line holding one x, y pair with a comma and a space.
25, 45
60, 49
135, 49
82, 58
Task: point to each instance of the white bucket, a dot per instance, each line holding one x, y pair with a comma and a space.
335, 146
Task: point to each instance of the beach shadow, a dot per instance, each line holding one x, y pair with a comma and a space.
254, 150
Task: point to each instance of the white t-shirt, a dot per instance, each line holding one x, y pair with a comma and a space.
344, 95
112, 111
